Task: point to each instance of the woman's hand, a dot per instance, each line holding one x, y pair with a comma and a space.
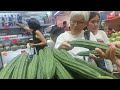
65, 45
32, 45
110, 53
92, 56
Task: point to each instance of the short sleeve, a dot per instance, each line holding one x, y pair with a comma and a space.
59, 40
106, 40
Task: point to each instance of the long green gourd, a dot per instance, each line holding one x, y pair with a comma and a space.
91, 45
81, 68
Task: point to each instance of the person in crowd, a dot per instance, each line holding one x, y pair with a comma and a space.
93, 26
5, 18
14, 20
78, 21
111, 53
108, 30
53, 36
3, 21
39, 41
19, 18
53, 27
65, 27
10, 21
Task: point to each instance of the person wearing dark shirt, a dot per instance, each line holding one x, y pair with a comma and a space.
39, 41
3, 21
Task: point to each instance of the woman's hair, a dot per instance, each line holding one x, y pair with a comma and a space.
93, 14
84, 14
34, 24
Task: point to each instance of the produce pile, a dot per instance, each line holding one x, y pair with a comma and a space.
13, 46
52, 64
114, 37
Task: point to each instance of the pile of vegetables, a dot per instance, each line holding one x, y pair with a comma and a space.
52, 64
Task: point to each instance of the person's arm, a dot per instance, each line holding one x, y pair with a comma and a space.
41, 38
24, 27
65, 45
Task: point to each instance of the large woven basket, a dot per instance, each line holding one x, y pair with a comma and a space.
114, 23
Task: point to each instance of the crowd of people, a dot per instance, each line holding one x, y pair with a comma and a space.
10, 20
80, 22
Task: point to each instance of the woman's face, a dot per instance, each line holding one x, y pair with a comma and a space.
77, 24
93, 23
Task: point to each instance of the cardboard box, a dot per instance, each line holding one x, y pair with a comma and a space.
7, 56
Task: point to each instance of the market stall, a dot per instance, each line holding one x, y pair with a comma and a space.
18, 61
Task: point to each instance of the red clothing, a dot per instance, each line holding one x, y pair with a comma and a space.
6, 27
6, 38
110, 17
14, 41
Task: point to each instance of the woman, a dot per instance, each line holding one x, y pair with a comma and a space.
39, 41
78, 21
93, 26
